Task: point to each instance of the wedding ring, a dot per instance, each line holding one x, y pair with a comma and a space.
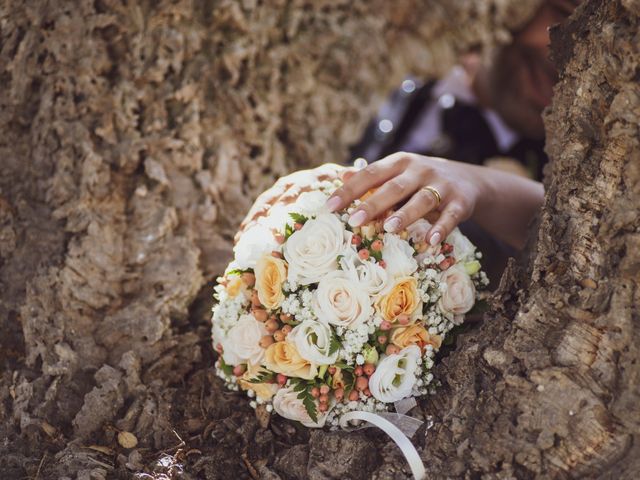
360, 163
433, 191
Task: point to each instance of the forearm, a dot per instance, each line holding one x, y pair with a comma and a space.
507, 205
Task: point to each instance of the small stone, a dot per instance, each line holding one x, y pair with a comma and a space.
127, 439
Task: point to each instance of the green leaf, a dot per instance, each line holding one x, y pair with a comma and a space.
310, 406
227, 369
239, 271
288, 231
300, 386
262, 377
334, 344
298, 218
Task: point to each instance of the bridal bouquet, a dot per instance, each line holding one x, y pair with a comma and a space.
315, 319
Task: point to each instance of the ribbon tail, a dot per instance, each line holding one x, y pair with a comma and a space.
400, 439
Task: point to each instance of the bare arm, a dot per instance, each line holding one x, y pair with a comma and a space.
500, 202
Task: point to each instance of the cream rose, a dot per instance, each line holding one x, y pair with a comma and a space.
459, 294
414, 334
401, 299
251, 245
340, 301
283, 357
313, 342
287, 404
395, 375
398, 255
370, 276
270, 274
242, 342
313, 251
463, 249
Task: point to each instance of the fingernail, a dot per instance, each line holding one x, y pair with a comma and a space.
435, 239
357, 218
333, 203
392, 224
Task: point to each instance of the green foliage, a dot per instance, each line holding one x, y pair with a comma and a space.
334, 344
298, 218
263, 377
304, 393
227, 369
239, 271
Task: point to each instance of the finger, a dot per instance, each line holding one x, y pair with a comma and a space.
391, 192
364, 180
347, 173
420, 204
451, 216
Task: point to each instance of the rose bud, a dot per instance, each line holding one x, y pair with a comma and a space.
315, 392
255, 300
356, 240
239, 370
363, 254
369, 368
332, 370
447, 262
278, 336
323, 398
338, 393
286, 329
392, 349
382, 339
385, 325
281, 379
362, 383
279, 238
271, 325
323, 407
403, 319
358, 371
382, 263
260, 314
276, 254
324, 389
266, 341
353, 395
376, 246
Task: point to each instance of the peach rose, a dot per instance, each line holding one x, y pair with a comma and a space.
283, 357
264, 391
270, 274
414, 334
459, 294
402, 299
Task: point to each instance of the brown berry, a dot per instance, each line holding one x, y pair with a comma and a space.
338, 393
255, 300
239, 370
358, 371
298, 225
286, 329
324, 389
285, 317
382, 263
260, 314
391, 350
403, 319
323, 398
315, 392
362, 383
382, 339
369, 368
376, 245
385, 325
278, 336
266, 341
353, 395
332, 370
367, 392
446, 263
276, 254
363, 253
356, 240
281, 379
249, 279
323, 407
271, 325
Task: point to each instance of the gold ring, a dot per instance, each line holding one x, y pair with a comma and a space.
433, 191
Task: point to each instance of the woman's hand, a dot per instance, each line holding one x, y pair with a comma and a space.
403, 177
500, 202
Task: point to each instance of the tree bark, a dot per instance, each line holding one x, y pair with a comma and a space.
134, 136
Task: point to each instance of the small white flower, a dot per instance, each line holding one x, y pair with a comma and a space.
359, 359
395, 375
313, 341
463, 249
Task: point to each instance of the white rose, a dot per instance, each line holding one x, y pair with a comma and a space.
313, 251
242, 342
251, 245
287, 404
463, 249
395, 375
398, 255
311, 203
459, 294
277, 216
313, 341
340, 301
418, 230
370, 276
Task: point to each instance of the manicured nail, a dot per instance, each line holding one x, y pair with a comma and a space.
435, 239
333, 203
392, 224
358, 218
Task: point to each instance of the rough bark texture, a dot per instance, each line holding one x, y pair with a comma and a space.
134, 136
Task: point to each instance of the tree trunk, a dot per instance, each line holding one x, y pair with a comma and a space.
133, 138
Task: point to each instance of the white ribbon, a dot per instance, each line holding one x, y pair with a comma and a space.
396, 434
